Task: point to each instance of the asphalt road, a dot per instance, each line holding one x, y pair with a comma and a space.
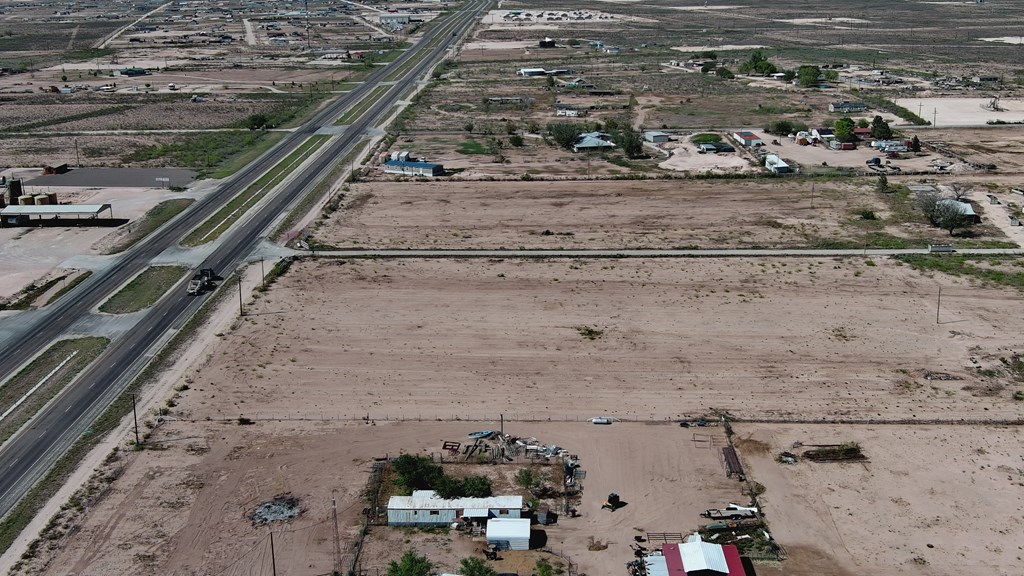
27, 455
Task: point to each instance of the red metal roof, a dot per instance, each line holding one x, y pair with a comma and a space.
674, 560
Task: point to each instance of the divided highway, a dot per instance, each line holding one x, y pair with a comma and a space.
30, 453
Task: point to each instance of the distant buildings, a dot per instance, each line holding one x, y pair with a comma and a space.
593, 141
747, 139
847, 107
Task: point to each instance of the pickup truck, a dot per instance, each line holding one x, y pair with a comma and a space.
201, 281
729, 513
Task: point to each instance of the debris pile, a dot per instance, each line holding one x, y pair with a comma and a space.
282, 507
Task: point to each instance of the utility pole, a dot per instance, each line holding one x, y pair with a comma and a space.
938, 303
263, 274
935, 113
241, 311
337, 539
273, 561
78, 159
812, 194
135, 414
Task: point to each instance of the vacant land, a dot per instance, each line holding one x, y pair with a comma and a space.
838, 511
770, 213
790, 339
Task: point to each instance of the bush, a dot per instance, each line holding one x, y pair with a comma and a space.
416, 472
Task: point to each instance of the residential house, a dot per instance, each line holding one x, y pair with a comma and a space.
426, 508
593, 141
847, 107
407, 168
697, 558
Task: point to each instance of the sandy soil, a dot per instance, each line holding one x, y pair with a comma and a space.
685, 158
183, 509
840, 350
813, 339
614, 214
930, 500
964, 111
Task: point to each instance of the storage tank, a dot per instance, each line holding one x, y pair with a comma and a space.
41, 199
13, 191
26, 200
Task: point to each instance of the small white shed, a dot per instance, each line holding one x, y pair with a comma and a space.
509, 533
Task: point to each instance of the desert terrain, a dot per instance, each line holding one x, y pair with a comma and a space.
341, 364
787, 340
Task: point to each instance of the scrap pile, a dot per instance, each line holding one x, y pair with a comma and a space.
846, 452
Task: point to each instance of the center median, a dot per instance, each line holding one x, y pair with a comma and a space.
233, 211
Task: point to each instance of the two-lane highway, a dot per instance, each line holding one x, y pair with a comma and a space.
27, 455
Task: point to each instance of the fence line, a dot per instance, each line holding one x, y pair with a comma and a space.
493, 421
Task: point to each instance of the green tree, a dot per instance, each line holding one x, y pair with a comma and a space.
256, 121
863, 123
844, 129
949, 215
544, 568
416, 472
448, 487
831, 75
631, 142
566, 133
515, 140
725, 73
530, 479
883, 184
915, 144
411, 564
469, 127
880, 129
789, 75
550, 81
473, 566
476, 487
780, 127
808, 75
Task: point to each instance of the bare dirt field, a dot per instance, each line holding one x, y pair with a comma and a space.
965, 111
617, 214
930, 499
792, 338
183, 509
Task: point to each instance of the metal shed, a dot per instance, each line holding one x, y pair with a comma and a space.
509, 534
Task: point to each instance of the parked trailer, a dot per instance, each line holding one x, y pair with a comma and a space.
729, 513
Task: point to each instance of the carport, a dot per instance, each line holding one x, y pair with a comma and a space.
22, 215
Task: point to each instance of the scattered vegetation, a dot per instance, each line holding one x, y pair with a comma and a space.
589, 332
153, 219
991, 271
144, 290
411, 564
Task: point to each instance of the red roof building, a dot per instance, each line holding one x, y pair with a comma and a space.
696, 558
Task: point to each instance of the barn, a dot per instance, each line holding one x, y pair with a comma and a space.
426, 508
697, 558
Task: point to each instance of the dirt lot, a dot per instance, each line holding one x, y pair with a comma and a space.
897, 509
214, 474
774, 338
805, 339
614, 214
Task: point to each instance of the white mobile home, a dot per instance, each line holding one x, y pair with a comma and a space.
426, 508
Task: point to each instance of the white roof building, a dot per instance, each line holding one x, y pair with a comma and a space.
509, 533
699, 555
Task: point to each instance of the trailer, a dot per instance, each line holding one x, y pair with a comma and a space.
730, 512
